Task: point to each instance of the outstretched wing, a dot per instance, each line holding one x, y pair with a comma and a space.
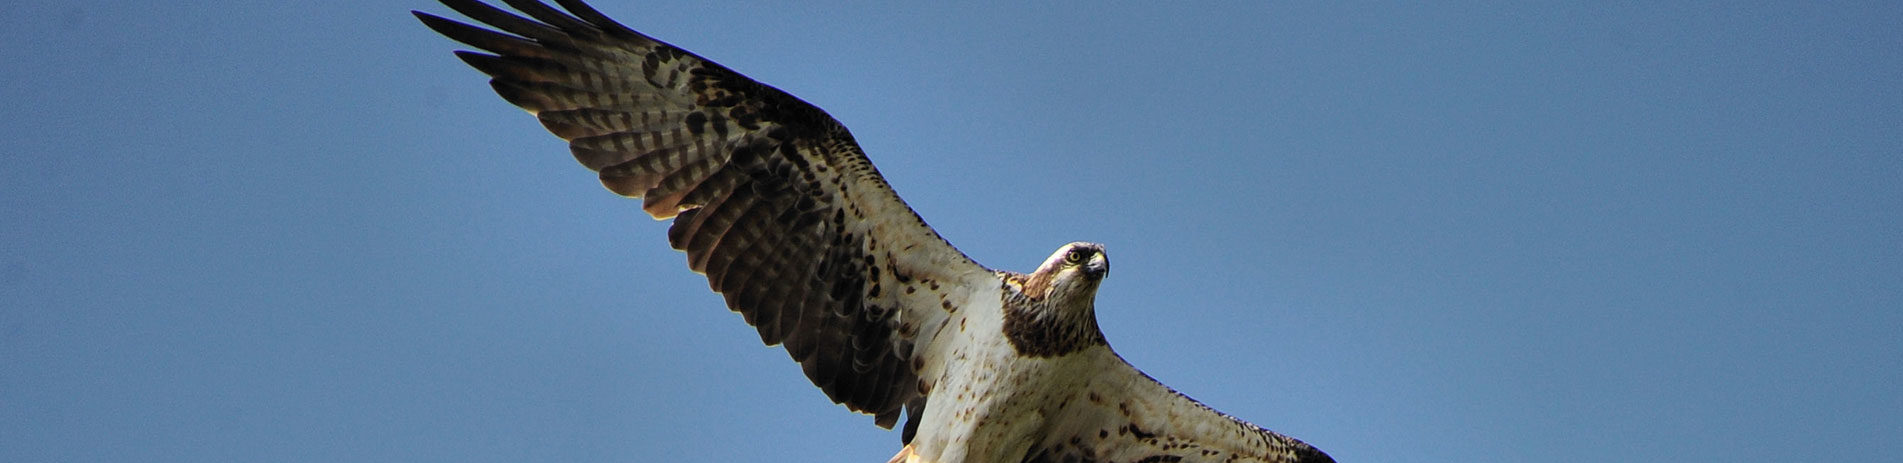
1124, 415
771, 198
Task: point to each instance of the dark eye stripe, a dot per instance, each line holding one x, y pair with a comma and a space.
1076, 256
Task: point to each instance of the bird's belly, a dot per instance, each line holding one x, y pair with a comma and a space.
988, 408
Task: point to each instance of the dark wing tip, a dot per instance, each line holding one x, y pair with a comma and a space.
521, 97
588, 13
1310, 454
435, 23
479, 37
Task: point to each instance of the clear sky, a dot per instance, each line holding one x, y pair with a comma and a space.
303, 231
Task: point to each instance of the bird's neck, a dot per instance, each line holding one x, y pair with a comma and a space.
1052, 325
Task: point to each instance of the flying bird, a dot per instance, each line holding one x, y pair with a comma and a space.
775, 203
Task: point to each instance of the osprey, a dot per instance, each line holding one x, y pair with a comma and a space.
780, 209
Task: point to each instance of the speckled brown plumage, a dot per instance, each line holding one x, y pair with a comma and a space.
761, 186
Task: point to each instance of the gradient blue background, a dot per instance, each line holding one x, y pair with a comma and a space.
302, 231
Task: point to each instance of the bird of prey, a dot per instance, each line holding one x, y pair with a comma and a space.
773, 201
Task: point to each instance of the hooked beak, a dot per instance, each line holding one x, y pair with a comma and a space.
1098, 267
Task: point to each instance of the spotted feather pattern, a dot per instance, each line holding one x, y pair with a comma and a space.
771, 198
1123, 415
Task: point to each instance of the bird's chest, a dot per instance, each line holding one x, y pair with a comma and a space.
991, 404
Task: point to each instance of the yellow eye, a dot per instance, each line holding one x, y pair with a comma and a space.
1076, 256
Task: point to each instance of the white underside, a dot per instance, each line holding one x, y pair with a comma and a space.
988, 404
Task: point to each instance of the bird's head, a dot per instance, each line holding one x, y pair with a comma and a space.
1070, 276
1054, 312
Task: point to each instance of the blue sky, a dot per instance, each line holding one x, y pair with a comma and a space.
1613, 231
